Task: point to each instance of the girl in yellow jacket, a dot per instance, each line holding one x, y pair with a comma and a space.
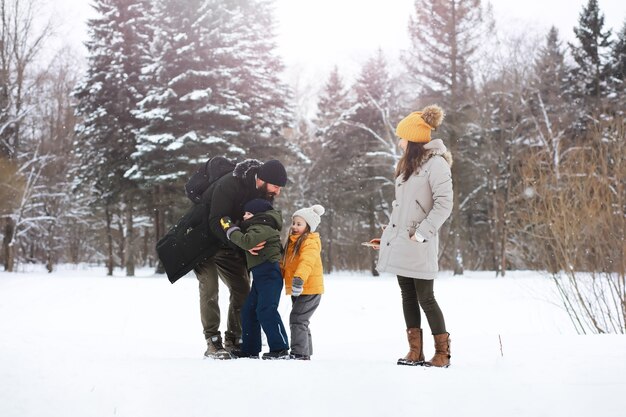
304, 279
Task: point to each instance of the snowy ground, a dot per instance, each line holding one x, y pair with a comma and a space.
77, 343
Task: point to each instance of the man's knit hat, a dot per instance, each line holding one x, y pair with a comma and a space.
416, 126
311, 215
273, 172
258, 205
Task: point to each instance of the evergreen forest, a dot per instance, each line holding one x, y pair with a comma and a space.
94, 154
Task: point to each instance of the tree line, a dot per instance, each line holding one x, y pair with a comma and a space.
93, 163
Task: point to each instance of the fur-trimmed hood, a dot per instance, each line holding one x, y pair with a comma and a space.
246, 167
436, 147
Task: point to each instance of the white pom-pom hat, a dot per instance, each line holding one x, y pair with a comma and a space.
311, 215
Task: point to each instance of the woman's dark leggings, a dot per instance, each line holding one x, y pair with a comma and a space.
418, 293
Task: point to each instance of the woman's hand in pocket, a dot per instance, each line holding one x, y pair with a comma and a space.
418, 238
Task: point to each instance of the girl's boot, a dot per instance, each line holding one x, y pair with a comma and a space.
442, 351
416, 352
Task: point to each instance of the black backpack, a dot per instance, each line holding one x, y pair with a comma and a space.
190, 241
187, 244
207, 174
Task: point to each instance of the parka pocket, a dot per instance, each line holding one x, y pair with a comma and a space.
421, 208
412, 255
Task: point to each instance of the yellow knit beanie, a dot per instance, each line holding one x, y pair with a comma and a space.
416, 126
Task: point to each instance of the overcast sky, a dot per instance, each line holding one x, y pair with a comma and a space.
312, 40
315, 35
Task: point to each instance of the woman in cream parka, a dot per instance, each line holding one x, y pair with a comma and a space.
409, 246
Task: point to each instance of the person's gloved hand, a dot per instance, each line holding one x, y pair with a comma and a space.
297, 286
226, 223
228, 226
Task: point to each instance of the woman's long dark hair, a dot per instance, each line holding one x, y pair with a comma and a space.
411, 160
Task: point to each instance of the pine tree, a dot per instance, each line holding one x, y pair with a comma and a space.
327, 174
108, 93
591, 54
214, 90
215, 87
550, 71
186, 109
445, 36
106, 137
551, 115
374, 113
22, 39
617, 67
373, 148
256, 70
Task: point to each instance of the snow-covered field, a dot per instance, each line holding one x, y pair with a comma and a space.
78, 343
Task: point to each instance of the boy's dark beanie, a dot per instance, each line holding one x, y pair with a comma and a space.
273, 172
258, 205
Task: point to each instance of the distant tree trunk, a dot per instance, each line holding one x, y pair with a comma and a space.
503, 240
493, 226
458, 247
159, 222
50, 249
109, 233
73, 246
373, 254
498, 227
499, 237
121, 253
504, 233
146, 258
130, 251
7, 243
456, 225
328, 265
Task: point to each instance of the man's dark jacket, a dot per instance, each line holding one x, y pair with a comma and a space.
198, 235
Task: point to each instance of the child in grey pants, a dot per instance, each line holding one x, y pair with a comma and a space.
304, 280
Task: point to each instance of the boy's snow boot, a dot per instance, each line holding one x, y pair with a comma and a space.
239, 354
215, 350
416, 349
231, 344
279, 354
442, 351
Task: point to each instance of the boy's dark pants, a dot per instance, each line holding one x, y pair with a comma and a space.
302, 309
261, 311
230, 266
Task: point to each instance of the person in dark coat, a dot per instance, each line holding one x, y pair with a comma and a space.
226, 198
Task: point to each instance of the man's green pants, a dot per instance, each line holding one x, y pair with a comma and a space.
228, 265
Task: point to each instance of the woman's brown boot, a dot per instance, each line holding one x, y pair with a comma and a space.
416, 352
442, 351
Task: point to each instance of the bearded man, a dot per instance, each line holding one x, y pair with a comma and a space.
226, 198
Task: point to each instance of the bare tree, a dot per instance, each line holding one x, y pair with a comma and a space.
20, 43
577, 220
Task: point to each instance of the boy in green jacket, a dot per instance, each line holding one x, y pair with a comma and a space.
261, 223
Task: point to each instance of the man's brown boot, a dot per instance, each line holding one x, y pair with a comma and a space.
215, 350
